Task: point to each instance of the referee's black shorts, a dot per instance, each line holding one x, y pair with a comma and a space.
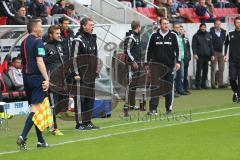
33, 88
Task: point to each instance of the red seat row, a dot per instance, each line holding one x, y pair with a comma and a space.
223, 12
3, 20
148, 12
217, 12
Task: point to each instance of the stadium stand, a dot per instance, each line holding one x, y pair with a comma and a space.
8, 92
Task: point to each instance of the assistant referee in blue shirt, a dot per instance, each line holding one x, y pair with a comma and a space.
35, 77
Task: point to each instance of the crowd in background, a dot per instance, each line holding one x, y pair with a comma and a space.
19, 12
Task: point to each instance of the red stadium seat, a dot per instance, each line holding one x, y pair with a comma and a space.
182, 11
3, 20
224, 12
190, 13
148, 12
234, 10
153, 13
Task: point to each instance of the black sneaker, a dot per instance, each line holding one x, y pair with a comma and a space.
42, 145
182, 93
176, 95
125, 110
168, 112
21, 143
134, 107
153, 112
80, 127
91, 126
234, 98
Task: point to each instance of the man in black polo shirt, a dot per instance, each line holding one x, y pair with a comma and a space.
35, 78
232, 42
163, 50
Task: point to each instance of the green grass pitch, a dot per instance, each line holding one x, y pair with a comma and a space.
212, 132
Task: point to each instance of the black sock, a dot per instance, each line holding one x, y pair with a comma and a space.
28, 125
234, 86
1, 109
39, 135
54, 120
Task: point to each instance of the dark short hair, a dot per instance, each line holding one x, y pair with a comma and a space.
21, 7
84, 22
31, 24
71, 7
164, 18
237, 18
15, 59
135, 25
53, 28
217, 20
174, 24
62, 19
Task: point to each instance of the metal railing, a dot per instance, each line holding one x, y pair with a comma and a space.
57, 16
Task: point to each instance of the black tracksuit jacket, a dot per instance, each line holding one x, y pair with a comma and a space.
233, 43
163, 50
132, 47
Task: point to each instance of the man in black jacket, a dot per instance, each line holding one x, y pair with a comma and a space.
84, 46
53, 60
232, 42
218, 37
202, 52
132, 49
67, 36
162, 49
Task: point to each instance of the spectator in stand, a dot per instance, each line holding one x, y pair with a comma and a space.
18, 3
238, 6
20, 18
205, 11
67, 36
6, 10
71, 12
15, 73
191, 3
218, 38
172, 13
59, 7
210, 6
139, 3
38, 9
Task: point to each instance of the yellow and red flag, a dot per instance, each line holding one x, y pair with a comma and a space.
43, 118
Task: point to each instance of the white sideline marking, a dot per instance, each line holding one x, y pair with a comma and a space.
196, 113
213, 111
131, 131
